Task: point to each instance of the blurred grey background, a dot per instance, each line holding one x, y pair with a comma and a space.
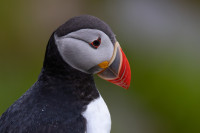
161, 39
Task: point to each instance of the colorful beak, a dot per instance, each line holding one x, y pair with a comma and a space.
117, 70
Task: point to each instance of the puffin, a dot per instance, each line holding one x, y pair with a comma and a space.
65, 99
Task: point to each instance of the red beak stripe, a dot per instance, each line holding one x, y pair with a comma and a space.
124, 76
119, 71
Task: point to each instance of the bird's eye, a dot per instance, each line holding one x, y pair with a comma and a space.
96, 43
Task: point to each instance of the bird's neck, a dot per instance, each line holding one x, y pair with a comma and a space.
78, 85
59, 77
54, 67
66, 77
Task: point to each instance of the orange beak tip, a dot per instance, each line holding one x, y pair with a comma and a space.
123, 79
119, 71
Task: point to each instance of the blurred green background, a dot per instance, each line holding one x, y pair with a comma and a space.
161, 39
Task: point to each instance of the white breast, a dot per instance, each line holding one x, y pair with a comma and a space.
98, 117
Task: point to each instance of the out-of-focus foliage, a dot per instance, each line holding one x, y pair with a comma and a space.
160, 38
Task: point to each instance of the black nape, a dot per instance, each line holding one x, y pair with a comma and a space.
85, 22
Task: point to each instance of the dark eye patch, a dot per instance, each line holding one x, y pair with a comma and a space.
96, 43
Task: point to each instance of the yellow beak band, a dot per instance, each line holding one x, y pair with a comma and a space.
103, 64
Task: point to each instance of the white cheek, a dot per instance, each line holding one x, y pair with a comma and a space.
105, 51
72, 53
80, 55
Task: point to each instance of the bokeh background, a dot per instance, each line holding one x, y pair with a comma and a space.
161, 39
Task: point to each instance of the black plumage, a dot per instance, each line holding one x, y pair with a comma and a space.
85, 22
55, 102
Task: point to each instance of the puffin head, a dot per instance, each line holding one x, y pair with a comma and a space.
88, 44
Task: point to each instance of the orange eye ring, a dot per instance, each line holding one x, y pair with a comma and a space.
96, 43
